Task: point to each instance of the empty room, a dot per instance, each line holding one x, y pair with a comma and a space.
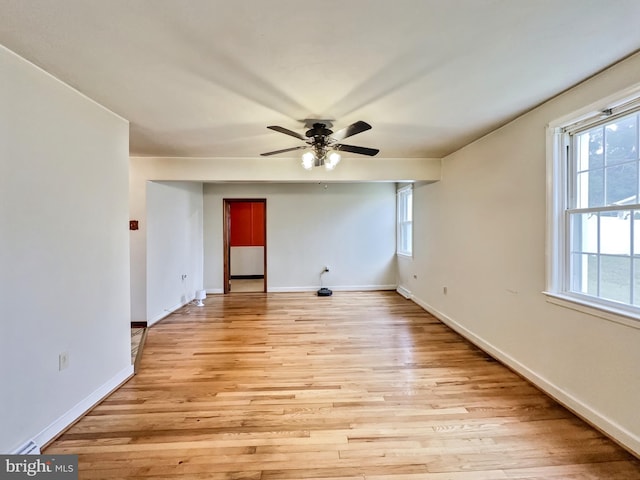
334, 240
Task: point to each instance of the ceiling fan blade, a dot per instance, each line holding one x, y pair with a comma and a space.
352, 129
286, 131
353, 149
276, 152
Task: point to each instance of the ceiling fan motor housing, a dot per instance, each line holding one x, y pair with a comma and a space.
321, 139
318, 130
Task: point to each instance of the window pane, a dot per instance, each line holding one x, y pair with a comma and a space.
590, 189
621, 140
615, 232
636, 232
622, 184
405, 205
404, 238
615, 278
602, 240
584, 274
584, 232
405, 214
590, 150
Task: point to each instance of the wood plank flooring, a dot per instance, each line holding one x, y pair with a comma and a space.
354, 386
241, 285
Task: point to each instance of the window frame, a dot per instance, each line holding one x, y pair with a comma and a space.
560, 168
402, 199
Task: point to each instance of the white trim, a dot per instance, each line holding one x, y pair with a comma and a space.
600, 118
339, 288
617, 432
401, 205
593, 109
67, 419
555, 204
168, 311
559, 165
293, 289
29, 448
404, 292
347, 288
595, 309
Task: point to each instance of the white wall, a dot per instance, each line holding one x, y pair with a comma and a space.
348, 226
481, 232
258, 169
64, 254
246, 261
138, 244
276, 169
174, 246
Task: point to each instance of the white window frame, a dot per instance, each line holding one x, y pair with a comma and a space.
404, 217
559, 164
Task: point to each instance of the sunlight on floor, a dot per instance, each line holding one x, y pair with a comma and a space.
251, 285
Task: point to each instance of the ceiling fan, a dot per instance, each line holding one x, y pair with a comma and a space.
324, 144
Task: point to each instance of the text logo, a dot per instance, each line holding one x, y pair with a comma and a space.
51, 467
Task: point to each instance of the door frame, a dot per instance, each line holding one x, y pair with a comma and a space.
226, 236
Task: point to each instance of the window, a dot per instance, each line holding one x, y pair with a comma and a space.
404, 244
596, 232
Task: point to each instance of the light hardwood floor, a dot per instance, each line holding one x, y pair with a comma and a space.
247, 285
354, 386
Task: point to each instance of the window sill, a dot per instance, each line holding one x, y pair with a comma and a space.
610, 314
404, 255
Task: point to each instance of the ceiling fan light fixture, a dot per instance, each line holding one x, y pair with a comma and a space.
308, 160
323, 143
332, 160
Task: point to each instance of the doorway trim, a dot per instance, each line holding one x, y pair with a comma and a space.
226, 235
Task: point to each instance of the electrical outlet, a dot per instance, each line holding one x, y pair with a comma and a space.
326, 268
63, 361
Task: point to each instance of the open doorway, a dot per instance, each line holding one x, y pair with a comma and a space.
245, 245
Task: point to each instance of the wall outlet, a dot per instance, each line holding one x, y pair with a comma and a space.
325, 269
63, 361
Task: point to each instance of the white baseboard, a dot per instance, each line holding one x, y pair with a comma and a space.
71, 416
168, 312
404, 292
291, 289
338, 288
345, 288
607, 426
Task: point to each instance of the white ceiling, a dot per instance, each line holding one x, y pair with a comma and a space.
204, 78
